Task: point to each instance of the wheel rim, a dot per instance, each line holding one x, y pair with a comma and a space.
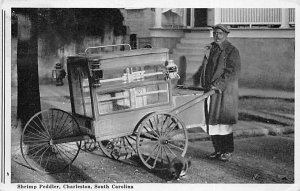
160, 138
36, 141
120, 148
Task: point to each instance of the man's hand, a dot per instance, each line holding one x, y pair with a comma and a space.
217, 90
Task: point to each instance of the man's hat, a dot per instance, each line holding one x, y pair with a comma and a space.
222, 27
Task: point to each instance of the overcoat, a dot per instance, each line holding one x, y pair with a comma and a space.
223, 106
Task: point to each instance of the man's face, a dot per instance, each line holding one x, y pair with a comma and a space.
219, 36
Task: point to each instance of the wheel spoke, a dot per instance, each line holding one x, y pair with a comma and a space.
130, 144
151, 127
175, 146
107, 145
60, 152
48, 158
41, 157
61, 118
167, 128
158, 150
38, 139
156, 146
161, 153
163, 119
61, 127
43, 120
31, 142
42, 147
172, 128
66, 131
38, 133
171, 151
36, 136
43, 125
149, 136
180, 140
36, 146
131, 137
163, 125
164, 147
56, 118
49, 123
65, 151
156, 119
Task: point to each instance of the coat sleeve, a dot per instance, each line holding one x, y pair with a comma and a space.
231, 70
196, 76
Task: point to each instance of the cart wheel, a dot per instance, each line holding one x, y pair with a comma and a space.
160, 138
37, 138
89, 145
120, 148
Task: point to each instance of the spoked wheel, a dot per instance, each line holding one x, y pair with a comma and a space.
160, 138
89, 145
120, 148
39, 141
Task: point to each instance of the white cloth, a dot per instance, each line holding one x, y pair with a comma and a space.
220, 129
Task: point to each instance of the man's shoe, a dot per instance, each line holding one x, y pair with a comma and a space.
214, 155
225, 156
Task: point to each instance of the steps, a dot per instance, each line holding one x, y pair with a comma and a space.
192, 46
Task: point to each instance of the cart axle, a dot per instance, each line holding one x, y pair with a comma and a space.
70, 139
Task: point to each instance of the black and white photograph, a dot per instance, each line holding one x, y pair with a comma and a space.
128, 95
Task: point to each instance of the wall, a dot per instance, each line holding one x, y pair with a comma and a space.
165, 38
48, 60
165, 42
268, 56
171, 19
138, 21
267, 62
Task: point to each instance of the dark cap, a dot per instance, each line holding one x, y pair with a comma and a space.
222, 27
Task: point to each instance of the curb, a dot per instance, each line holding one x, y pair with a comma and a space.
243, 132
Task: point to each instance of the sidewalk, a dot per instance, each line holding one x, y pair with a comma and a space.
255, 128
284, 123
266, 93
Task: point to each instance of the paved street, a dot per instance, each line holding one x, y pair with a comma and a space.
257, 159
266, 159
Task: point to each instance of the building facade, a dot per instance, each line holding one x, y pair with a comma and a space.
264, 36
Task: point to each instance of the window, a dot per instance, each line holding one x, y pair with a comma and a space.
81, 91
132, 88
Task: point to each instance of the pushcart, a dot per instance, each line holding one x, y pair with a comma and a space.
121, 101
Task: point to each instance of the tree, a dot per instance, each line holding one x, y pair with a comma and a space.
27, 65
58, 27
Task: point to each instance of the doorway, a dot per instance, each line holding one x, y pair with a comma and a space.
200, 16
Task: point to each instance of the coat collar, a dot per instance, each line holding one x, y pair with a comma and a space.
223, 45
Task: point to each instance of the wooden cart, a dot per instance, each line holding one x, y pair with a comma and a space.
122, 102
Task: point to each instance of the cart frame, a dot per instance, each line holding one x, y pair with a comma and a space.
158, 136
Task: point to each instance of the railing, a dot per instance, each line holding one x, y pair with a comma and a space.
292, 16
254, 16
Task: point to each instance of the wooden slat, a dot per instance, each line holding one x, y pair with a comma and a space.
253, 16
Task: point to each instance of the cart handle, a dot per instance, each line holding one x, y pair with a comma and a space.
192, 102
113, 45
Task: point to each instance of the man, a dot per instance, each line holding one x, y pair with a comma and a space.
219, 71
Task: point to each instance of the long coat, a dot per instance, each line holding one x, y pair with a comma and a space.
223, 107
